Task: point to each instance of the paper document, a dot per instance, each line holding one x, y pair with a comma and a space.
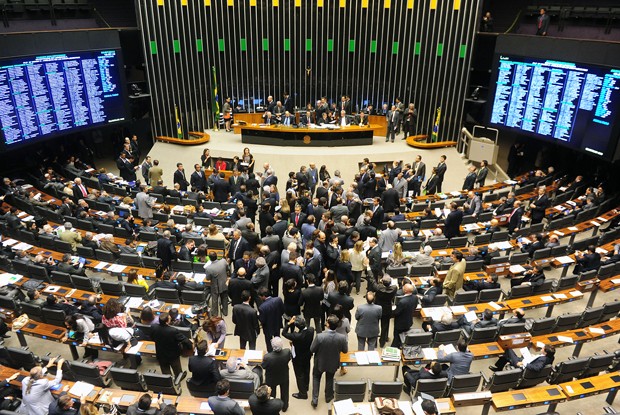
101, 265
429, 353
22, 246
204, 406
253, 355
361, 358
7, 278
458, 309
9, 242
597, 330
345, 407
117, 268
565, 339
135, 349
199, 277
546, 298
495, 305
595, 223
471, 316
564, 260
448, 348
615, 281
81, 388
573, 228
576, 293
373, 357
134, 302
517, 269
602, 219
560, 296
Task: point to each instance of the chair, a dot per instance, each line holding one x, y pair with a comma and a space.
241, 389
473, 266
85, 252
145, 329
568, 370
84, 283
483, 335
447, 337
465, 297
459, 242
502, 381
53, 317
438, 243
129, 379
519, 291
114, 288
10, 303
566, 322
511, 329
89, 373
34, 311
193, 297
432, 387
439, 300
165, 384
22, 357
590, 316
519, 258
403, 224
198, 221
422, 270
411, 246
105, 256
130, 259
545, 287
542, 326
532, 378
419, 339
610, 310
384, 389
354, 390
215, 243
396, 272
559, 250
482, 239
566, 282
147, 236
168, 295
490, 294
428, 224
606, 271
61, 278
62, 246
500, 236
198, 267
38, 272
179, 219
185, 266
465, 383
598, 363
150, 262
172, 200
542, 253
135, 290
85, 225
200, 391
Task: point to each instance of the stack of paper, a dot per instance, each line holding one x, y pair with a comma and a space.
458, 309
516, 269
253, 355
361, 358
81, 389
391, 354
22, 246
7, 278
345, 407
448, 348
494, 305
429, 353
117, 268
374, 358
9, 242
564, 260
134, 302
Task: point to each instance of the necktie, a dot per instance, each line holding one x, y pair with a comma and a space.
540, 22
83, 191
235, 250
393, 116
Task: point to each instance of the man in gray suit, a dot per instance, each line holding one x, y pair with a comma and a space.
389, 237
217, 272
222, 404
144, 204
327, 347
367, 329
460, 361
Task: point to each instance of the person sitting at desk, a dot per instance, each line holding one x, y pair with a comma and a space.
587, 261
184, 285
306, 119
261, 403
222, 404
430, 294
361, 119
432, 370
164, 282
460, 362
530, 361
615, 257
444, 324
62, 305
535, 245
204, 369
518, 316
236, 370
107, 244
487, 321
35, 298
288, 120
324, 119
268, 119
534, 277
488, 283
145, 406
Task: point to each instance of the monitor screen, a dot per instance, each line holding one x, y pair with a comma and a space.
569, 103
51, 94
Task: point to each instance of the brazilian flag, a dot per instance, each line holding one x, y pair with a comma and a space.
434, 135
215, 105
179, 128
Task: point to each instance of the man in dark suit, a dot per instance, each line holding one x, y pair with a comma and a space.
430, 294
341, 297
440, 172
237, 246
514, 219
261, 403
327, 347
205, 370
419, 172
361, 119
290, 270
125, 167
79, 190
453, 221
393, 121
470, 179
587, 261
534, 277
298, 218
198, 180
179, 177
288, 120
245, 319
483, 171
167, 350
160, 189
384, 296
488, 283
390, 200
542, 23
235, 181
374, 261
403, 314
221, 188
236, 287
311, 300
306, 119
302, 340
536, 244
377, 213
535, 364
165, 250
275, 364
539, 205
271, 311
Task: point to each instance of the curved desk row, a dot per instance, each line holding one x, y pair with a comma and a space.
306, 137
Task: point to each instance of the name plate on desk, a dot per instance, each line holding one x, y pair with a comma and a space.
587, 286
513, 341
475, 398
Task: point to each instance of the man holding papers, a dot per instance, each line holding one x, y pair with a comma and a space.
460, 361
528, 360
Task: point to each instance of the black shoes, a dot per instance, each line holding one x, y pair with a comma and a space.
300, 396
494, 368
314, 403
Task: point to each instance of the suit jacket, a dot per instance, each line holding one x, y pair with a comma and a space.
245, 319
271, 312
205, 371
460, 362
419, 171
298, 220
198, 180
359, 120
268, 407
260, 278
304, 120
475, 206
167, 339
225, 405
327, 347
469, 182
276, 367
155, 174
288, 271
430, 295
542, 24
368, 317
77, 193
237, 248
144, 205
441, 170
217, 273
453, 223
454, 279
346, 301
302, 340
393, 118
482, 176
403, 313
514, 220
221, 190
390, 200
125, 169
179, 177
311, 299
538, 213
539, 363
290, 119
235, 287
165, 251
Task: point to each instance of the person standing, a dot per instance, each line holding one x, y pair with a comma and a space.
419, 173
483, 171
270, 315
245, 319
367, 328
542, 23
487, 22
145, 167
155, 173
403, 314
179, 178
311, 300
275, 364
167, 345
539, 205
144, 204
393, 121
384, 297
301, 341
216, 271
327, 347
165, 250
452, 226
454, 279
440, 172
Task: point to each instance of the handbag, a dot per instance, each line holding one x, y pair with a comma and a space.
386, 406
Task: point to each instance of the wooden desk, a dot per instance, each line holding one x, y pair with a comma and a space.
524, 398
187, 405
445, 406
41, 331
306, 137
125, 398
480, 351
578, 337
595, 385
348, 360
545, 300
